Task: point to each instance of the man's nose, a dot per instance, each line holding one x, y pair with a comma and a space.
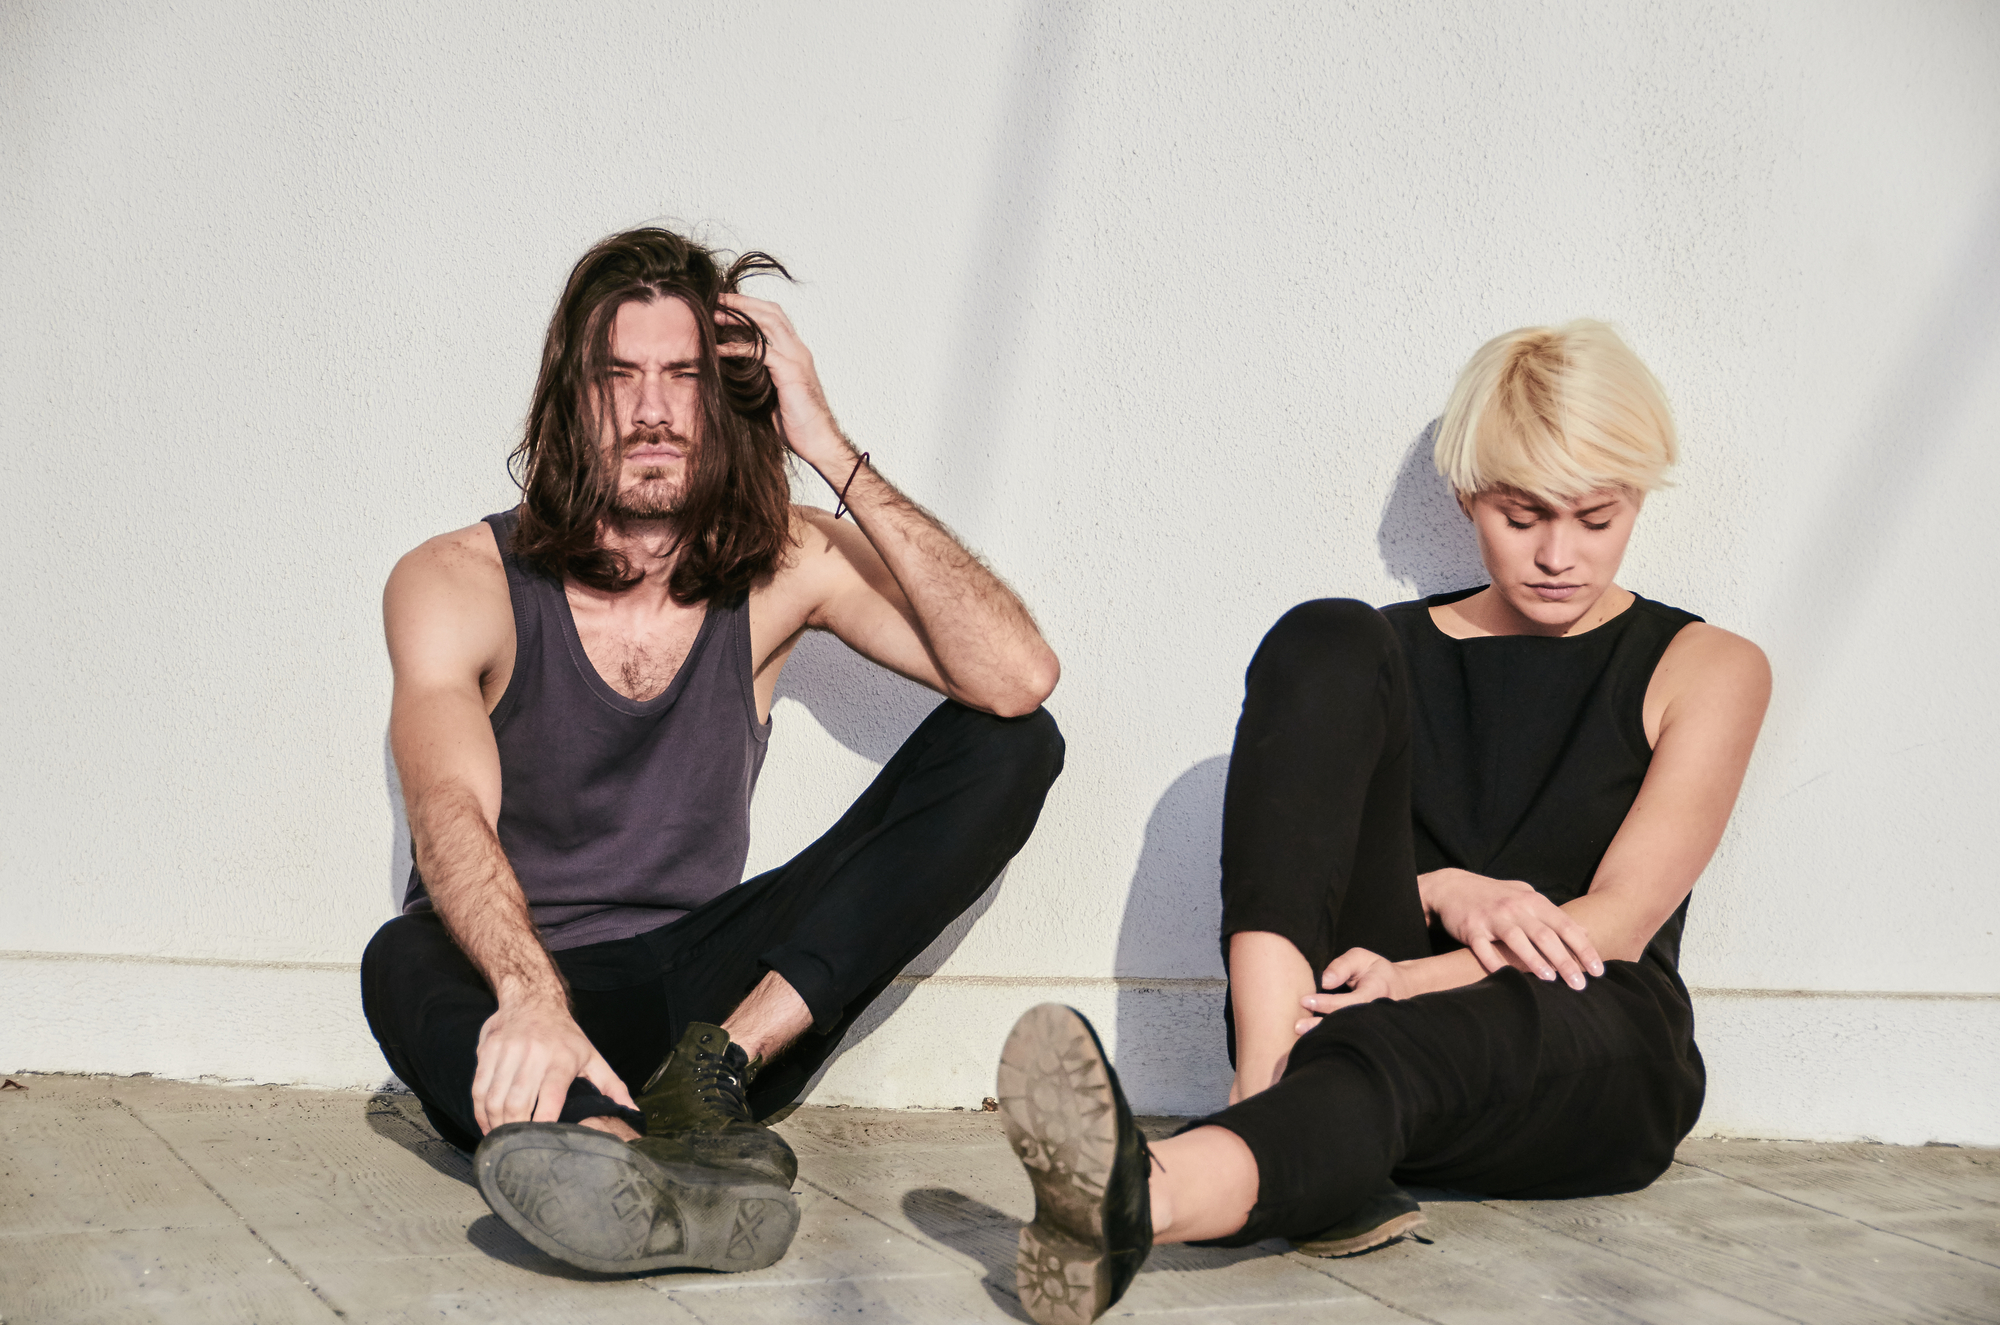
652, 408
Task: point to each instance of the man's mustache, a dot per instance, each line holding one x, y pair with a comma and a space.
656, 435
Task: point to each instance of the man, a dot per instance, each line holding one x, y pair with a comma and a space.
582, 701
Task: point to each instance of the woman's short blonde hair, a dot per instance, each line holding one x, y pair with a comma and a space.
1555, 413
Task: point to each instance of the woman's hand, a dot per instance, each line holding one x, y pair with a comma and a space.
1368, 975
1505, 922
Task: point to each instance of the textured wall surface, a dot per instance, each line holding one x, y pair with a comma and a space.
1151, 302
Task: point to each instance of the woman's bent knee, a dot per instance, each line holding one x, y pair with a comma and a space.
1322, 637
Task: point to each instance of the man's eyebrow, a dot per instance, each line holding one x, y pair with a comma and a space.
1601, 506
677, 363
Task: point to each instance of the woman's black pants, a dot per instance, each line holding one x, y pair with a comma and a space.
838, 921
1512, 1086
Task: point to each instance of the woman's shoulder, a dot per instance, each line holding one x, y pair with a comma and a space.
1706, 662
1661, 614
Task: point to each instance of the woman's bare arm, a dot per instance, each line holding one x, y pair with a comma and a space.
1711, 688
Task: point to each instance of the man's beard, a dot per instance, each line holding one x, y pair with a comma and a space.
652, 494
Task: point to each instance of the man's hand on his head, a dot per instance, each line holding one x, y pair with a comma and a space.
528, 1055
804, 419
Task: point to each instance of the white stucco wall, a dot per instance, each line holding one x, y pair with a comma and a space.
1151, 302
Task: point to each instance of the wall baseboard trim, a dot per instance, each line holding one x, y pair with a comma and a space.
1123, 982
1809, 1065
148, 959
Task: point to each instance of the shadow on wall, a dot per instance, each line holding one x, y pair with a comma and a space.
1171, 1057
1424, 538
401, 854
1035, 125
869, 710
1897, 447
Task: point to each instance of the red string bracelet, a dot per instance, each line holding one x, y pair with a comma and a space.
840, 506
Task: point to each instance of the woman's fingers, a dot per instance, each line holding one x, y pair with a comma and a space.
1557, 954
1578, 940
1546, 954
1365, 992
1489, 959
1346, 966
1523, 947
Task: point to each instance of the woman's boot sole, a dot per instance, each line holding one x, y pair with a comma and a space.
1379, 1236
592, 1201
1068, 1140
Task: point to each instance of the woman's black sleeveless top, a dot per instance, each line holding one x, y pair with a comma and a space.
1528, 750
619, 815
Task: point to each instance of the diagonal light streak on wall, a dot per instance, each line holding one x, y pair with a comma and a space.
1009, 250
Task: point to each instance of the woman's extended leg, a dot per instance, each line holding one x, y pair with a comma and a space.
1508, 1087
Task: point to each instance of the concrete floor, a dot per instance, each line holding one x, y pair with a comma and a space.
129, 1199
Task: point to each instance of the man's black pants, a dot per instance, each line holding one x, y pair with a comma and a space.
838, 922
1508, 1087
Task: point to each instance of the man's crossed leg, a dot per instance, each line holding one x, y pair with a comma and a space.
751, 993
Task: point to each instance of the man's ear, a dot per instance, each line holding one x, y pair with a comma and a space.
1464, 502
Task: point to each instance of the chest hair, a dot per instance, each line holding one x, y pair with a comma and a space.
640, 664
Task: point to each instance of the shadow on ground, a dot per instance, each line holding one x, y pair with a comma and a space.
973, 1229
400, 1118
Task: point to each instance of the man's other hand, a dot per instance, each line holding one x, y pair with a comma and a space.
528, 1055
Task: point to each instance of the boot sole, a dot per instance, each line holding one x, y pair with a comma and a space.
590, 1200
1379, 1236
1057, 1106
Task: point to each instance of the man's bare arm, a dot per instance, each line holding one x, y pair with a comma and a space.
900, 589
449, 624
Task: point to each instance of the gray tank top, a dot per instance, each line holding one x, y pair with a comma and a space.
619, 815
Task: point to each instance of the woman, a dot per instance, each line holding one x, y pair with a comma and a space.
1458, 841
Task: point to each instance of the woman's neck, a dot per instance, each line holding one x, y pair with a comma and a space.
1489, 613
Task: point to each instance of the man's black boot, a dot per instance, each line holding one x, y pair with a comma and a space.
598, 1203
696, 1098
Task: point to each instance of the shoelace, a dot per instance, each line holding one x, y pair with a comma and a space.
717, 1083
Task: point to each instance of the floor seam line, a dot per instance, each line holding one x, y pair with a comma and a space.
921, 1242
1311, 1263
949, 1269
1671, 1274
1853, 1219
248, 1227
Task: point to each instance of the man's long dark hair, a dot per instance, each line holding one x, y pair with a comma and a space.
733, 519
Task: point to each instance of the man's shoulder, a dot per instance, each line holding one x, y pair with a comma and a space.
450, 575
811, 542
467, 558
